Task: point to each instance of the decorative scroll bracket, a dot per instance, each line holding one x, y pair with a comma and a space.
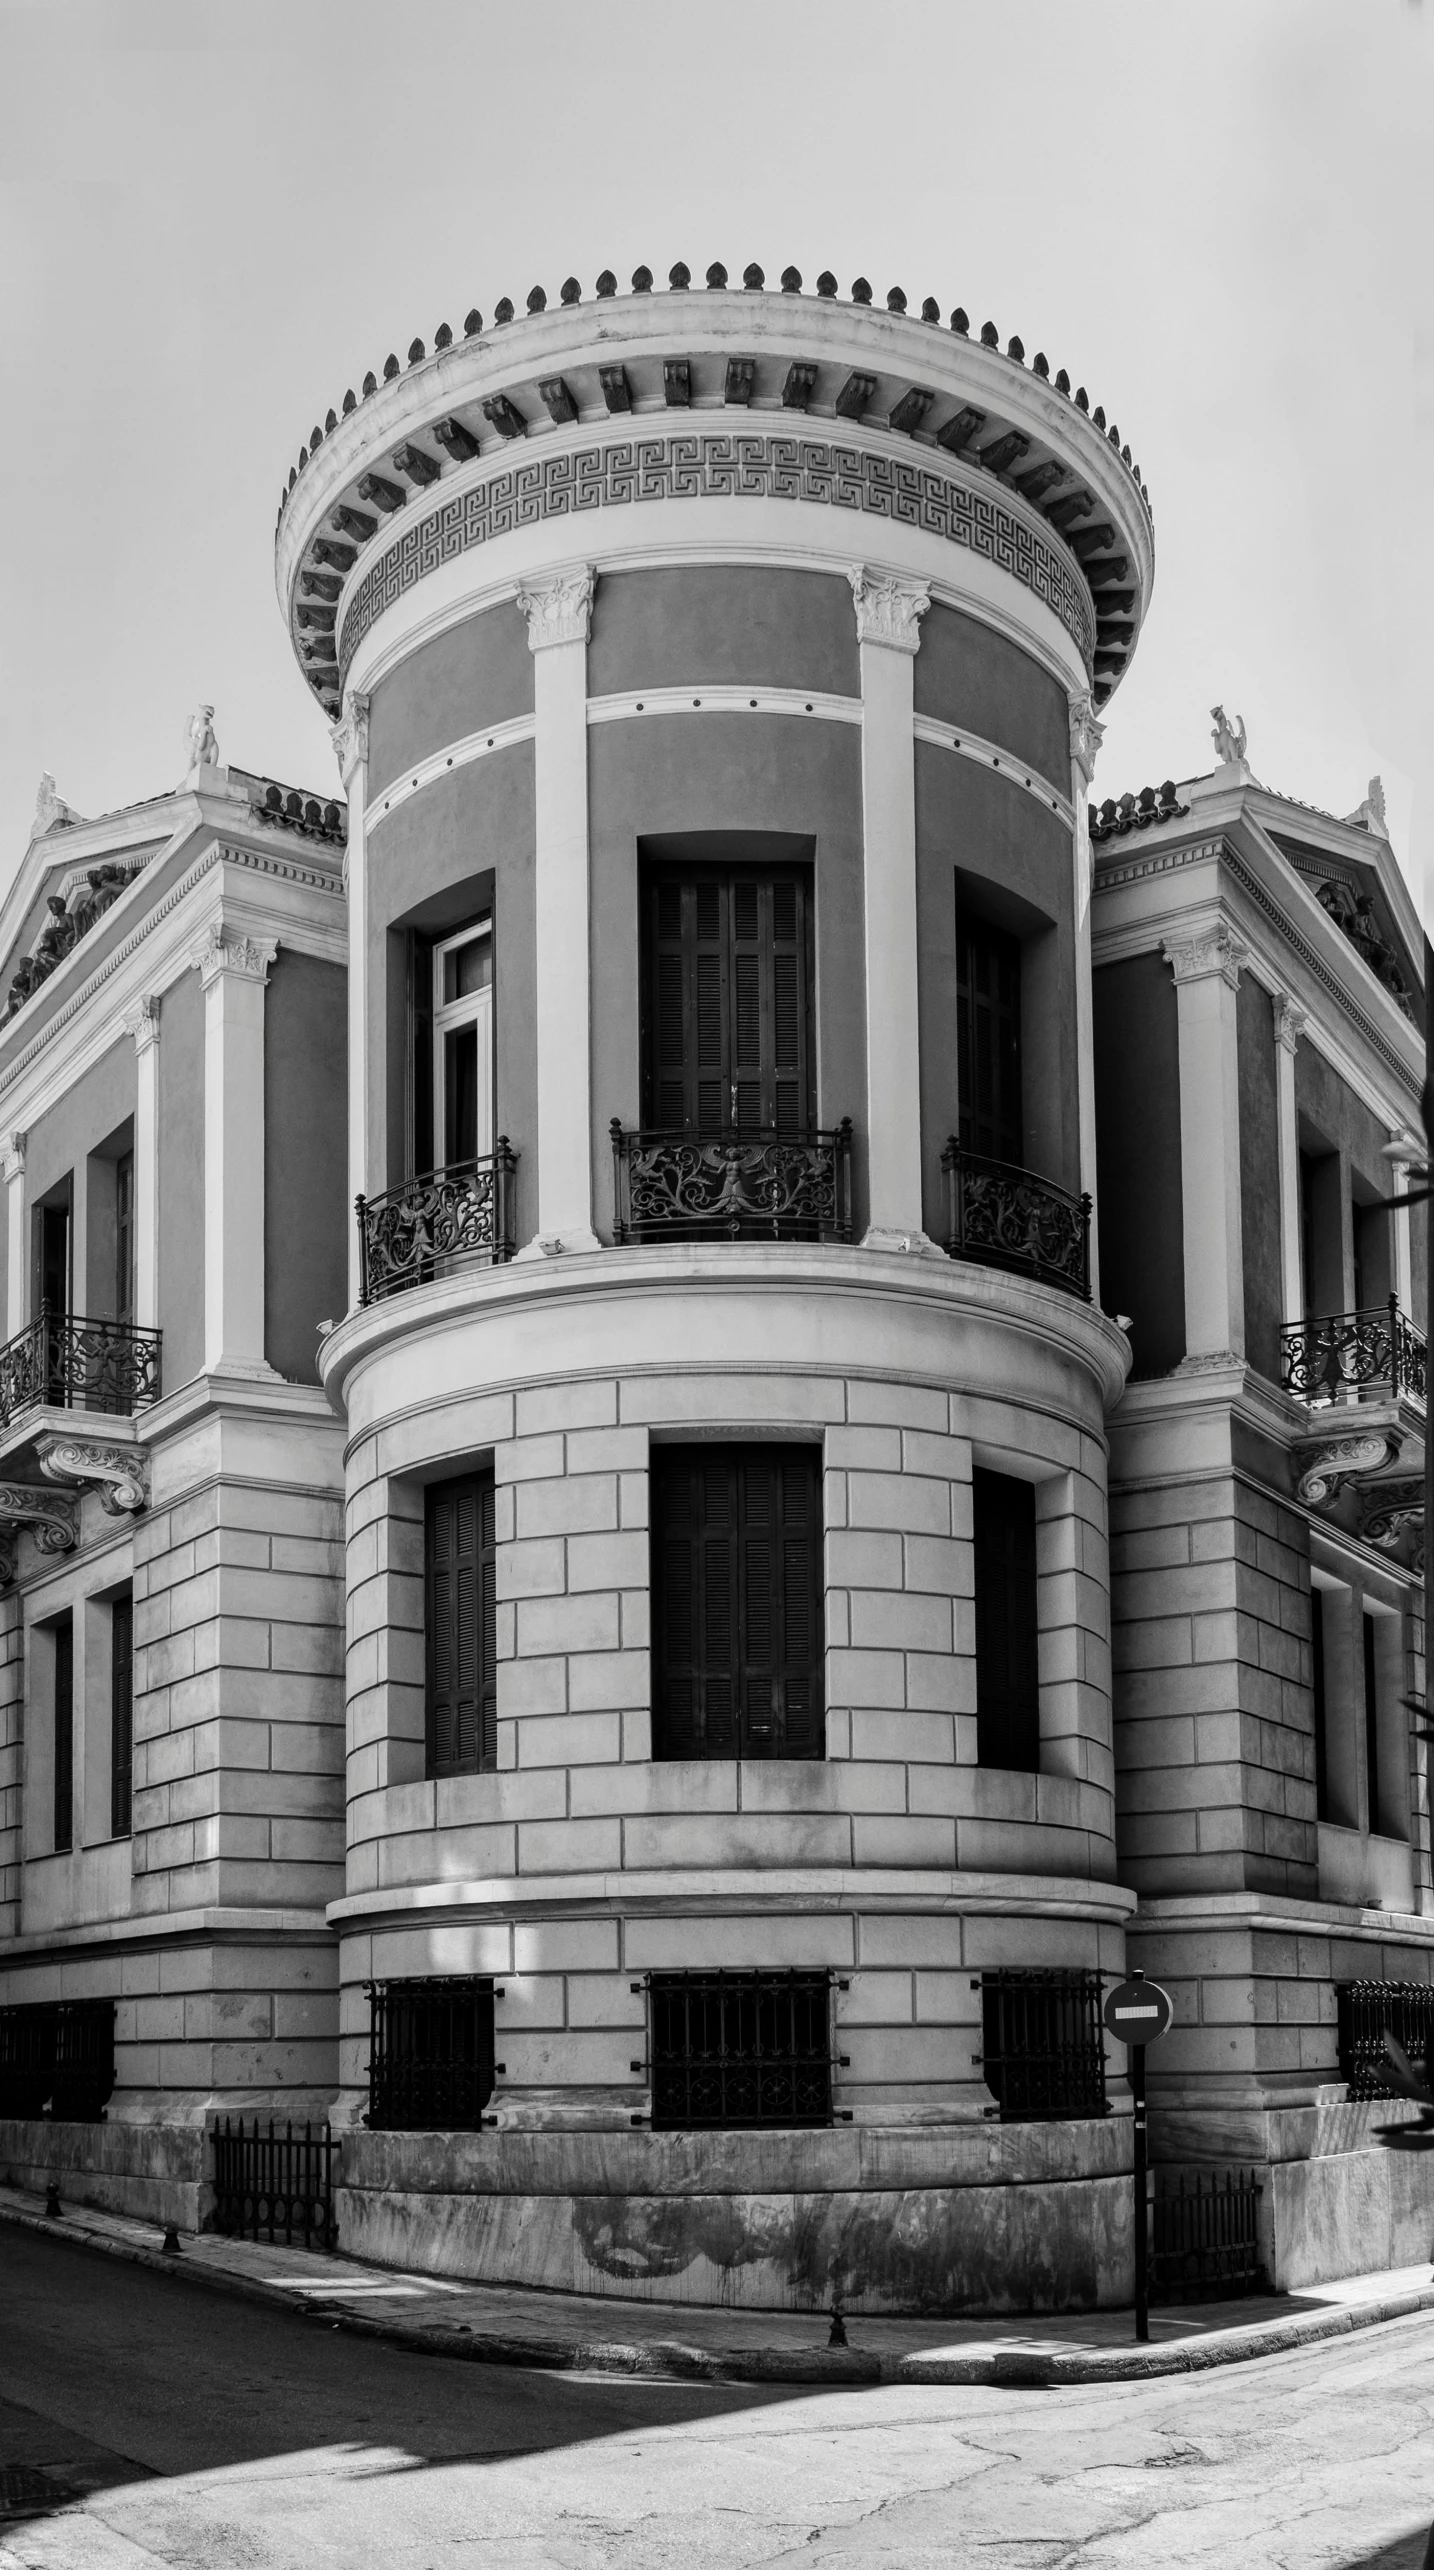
1391, 1507
120, 1472
50, 1519
1324, 1468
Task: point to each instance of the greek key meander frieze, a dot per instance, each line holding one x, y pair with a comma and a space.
722, 466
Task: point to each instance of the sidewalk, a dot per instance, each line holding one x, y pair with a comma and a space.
489, 2324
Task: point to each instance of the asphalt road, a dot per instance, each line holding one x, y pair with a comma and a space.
146, 2421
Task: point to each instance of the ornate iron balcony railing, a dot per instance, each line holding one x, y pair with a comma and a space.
732, 1186
1000, 1216
462, 1212
1354, 1356
62, 1362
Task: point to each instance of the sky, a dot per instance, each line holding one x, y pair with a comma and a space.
1218, 214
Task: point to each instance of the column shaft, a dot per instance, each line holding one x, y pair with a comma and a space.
1207, 969
559, 612
888, 630
234, 973
350, 738
1290, 1023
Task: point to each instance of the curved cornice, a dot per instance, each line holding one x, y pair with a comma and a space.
936, 422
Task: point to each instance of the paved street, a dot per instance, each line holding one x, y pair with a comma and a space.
199, 2431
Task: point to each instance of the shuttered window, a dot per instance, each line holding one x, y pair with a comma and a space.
728, 1017
988, 1040
461, 1622
64, 1734
1008, 1719
121, 1715
736, 1559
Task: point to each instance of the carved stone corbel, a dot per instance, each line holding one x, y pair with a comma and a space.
120, 1473
1391, 1507
1325, 1467
50, 1519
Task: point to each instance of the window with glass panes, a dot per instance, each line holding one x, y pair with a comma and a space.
460, 1626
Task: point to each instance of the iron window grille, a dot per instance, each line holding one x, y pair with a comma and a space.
275, 2185
1367, 2010
1204, 2235
739, 2049
431, 2066
58, 2057
1043, 2045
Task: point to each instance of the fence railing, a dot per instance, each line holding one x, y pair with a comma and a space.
431, 2065
274, 2184
58, 2057
1204, 2235
1355, 1356
1367, 2011
64, 1362
413, 1232
734, 2049
732, 1186
1001, 1216
1043, 2049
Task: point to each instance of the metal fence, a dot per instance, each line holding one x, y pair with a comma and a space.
1367, 2011
64, 1362
274, 2185
58, 2058
444, 1217
431, 2065
740, 2048
1374, 1355
732, 1186
1001, 1216
1204, 2235
1043, 2048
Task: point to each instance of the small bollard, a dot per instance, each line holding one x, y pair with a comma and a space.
170, 2247
836, 2336
52, 2201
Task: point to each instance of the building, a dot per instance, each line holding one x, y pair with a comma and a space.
778, 1120
170, 1477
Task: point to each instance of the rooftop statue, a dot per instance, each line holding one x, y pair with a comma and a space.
1372, 814
1229, 739
201, 740
49, 810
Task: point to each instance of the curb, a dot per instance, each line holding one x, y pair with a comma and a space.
671, 2360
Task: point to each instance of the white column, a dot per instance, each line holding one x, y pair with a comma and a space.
234, 970
12, 1163
1206, 965
350, 738
888, 626
1086, 735
559, 613
143, 1025
1290, 1024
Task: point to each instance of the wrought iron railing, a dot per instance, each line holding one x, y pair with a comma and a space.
1367, 2011
732, 1186
415, 1231
1354, 1356
1204, 2235
58, 2057
431, 2064
62, 1362
1043, 2052
275, 2185
732, 2049
999, 1216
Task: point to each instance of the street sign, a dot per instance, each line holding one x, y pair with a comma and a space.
1139, 2011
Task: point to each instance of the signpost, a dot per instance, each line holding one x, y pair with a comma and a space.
1139, 2012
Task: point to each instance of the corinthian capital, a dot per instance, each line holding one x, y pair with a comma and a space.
1086, 736
559, 610
888, 611
350, 735
247, 958
1212, 948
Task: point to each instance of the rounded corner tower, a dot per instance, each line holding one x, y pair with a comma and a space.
715, 678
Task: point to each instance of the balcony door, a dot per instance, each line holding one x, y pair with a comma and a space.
462, 1003
728, 1020
50, 1280
988, 1040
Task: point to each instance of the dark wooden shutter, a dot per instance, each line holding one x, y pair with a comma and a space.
728, 981
124, 1237
64, 1735
988, 1040
121, 1715
1319, 1706
421, 1138
1008, 1719
737, 1575
461, 1627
